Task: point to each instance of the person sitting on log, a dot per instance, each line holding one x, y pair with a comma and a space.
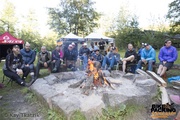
74, 48
111, 46
129, 58
97, 56
140, 51
57, 56
167, 56
111, 59
29, 57
70, 58
101, 45
148, 56
44, 60
14, 67
84, 54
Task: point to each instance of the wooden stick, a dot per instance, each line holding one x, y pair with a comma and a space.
164, 96
157, 78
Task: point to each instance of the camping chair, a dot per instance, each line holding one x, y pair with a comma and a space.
8, 79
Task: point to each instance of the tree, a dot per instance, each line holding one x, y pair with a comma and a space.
8, 20
174, 16
76, 16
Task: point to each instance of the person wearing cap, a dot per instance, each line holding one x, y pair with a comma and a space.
129, 57
111, 59
14, 67
167, 56
101, 46
111, 46
70, 57
29, 58
97, 56
44, 60
140, 51
84, 54
148, 56
57, 56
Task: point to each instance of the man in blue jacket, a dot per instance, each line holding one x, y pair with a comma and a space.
167, 56
148, 56
29, 58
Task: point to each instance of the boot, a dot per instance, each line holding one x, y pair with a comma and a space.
54, 70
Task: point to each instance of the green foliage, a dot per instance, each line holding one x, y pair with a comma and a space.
78, 17
174, 16
157, 97
52, 115
119, 112
77, 115
8, 19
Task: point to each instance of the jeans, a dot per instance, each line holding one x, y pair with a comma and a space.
31, 67
56, 64
39, 66
149, 62
111, 62
84, 58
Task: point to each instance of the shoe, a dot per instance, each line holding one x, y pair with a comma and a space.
54, 70
0, 97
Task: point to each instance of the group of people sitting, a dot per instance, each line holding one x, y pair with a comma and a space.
20, 63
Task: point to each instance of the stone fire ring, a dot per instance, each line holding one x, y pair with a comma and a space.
54, 92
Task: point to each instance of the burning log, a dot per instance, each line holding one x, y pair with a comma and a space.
95, 78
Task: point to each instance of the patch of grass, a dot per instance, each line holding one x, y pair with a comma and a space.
119, 113
52, 115
157, 97
77, 115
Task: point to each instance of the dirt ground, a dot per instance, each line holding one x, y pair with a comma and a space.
16, 105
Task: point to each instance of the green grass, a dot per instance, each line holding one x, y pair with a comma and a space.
121, 112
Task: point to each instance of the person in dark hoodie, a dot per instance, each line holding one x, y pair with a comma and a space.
29, 58
44, 60
167, 56
70, 57
148, 56
56, 59
130, 57
14, 67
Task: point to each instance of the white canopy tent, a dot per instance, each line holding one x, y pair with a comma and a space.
72, 36
97, 37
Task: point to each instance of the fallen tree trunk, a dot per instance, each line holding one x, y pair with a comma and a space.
157, 78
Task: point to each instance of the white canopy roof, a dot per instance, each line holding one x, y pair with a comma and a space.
96, 36
71, 36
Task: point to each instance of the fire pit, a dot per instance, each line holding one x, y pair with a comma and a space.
91, 90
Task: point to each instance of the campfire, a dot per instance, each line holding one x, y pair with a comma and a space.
95, 71
95, 78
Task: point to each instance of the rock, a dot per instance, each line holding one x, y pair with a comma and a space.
148, 85
51, 79
116, 74
64, 76
129, 76
106, 73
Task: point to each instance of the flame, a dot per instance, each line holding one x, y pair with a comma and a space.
93, 71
